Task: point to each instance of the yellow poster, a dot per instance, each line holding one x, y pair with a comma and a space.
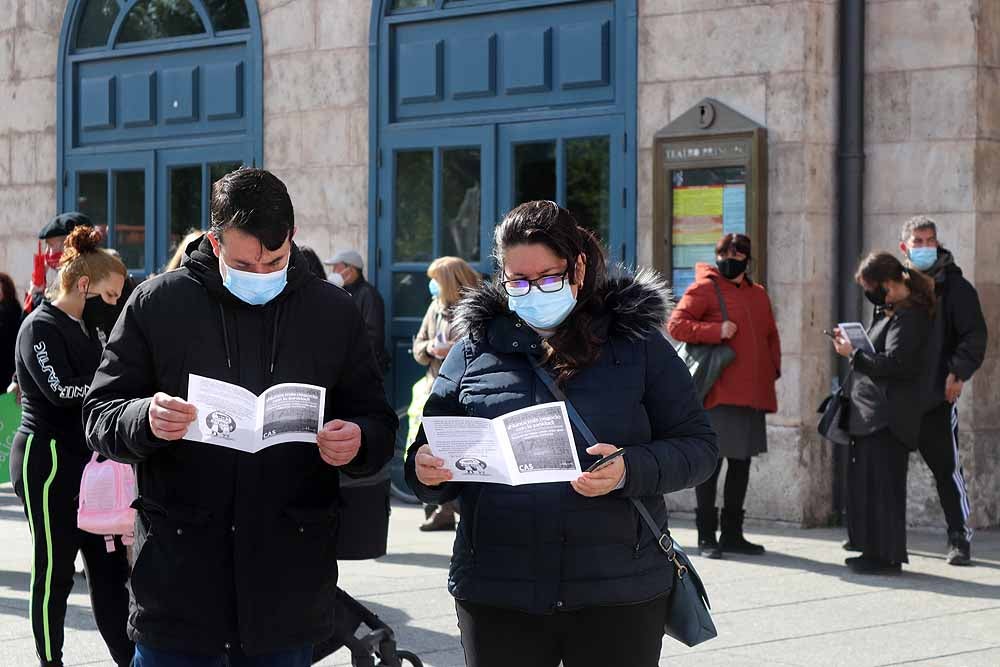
697, 215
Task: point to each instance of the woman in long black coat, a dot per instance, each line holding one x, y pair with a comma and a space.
885, 387
552, 572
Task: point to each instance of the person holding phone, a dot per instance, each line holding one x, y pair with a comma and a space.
544, 573
883, 389
447, 277
743, 394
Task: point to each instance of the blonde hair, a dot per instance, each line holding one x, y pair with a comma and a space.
175, 261
453, 275
84, 256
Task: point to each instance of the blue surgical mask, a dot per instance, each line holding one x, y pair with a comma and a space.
543, 310
255, 288
923, 258
434, 288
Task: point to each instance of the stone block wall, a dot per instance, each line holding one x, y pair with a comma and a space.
316, 115
933, 147
29, 46
775, 63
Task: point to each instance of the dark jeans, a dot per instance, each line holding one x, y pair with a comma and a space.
595, 637
735, 490
150, 657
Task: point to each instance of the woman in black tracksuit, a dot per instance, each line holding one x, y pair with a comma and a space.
56, 358
568, 572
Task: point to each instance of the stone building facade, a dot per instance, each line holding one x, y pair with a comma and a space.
932, 125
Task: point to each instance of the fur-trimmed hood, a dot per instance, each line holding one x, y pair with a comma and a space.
636, 305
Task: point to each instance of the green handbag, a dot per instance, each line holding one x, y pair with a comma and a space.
705, 363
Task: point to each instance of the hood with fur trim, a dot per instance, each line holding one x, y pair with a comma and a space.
636, 305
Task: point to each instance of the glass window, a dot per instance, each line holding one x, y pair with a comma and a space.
460, 192
96, 22
185, 202
130, 217
588, 174
159, 19
412, 4
228, 14
534, 172
413, 238
410, 297
218, 170
92, 199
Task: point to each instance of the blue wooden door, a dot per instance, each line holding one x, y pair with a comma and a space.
579, 163
437, 199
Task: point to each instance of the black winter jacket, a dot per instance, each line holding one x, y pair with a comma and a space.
958, 336
885, 387
543, 548
234, 547
372, 309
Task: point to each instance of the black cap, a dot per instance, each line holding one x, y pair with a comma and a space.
63, 224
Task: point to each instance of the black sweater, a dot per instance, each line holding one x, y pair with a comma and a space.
56, 362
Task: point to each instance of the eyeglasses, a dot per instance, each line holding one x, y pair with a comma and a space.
547, 284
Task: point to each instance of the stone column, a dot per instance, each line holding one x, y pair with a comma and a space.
776, 64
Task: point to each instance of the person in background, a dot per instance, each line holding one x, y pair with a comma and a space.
884, 389
178, 256
313, 262
236, 552
744, 392
955, 352
543, 573
10, 322
351, 268
51, 239
449, 278
56, 361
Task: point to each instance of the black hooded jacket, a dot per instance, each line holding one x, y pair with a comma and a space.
542, 548
234, 547
958, 335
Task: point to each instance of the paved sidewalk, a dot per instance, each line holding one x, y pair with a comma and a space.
795, 606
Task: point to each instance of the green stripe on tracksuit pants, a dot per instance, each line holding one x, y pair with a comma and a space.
47, 480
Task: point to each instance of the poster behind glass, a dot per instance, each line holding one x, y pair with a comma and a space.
707, 204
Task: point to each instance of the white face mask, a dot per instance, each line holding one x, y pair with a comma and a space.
336, 279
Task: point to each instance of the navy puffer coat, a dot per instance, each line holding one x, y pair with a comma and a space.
542, 548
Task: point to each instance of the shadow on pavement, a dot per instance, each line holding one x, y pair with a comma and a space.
421, 560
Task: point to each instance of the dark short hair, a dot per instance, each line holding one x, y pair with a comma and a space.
313, 262
253, 201
915, 223
737, 242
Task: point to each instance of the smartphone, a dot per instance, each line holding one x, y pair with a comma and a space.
827, 332
606, 460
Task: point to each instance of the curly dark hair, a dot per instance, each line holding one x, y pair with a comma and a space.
574, 345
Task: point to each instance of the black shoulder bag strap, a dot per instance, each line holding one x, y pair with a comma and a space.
662, 537
722, 302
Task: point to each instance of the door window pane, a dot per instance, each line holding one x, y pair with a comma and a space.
92, 199
460, 192
228, 14
534, 172
410, 297
95, 25
588, 173
220, 169
413, 239
185, 203
130, 218
159, 19
412, 4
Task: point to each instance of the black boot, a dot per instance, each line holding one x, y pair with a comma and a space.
732, 538
959, 550
707, 520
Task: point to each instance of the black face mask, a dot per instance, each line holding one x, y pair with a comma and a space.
731, 267
877, 296
98, 315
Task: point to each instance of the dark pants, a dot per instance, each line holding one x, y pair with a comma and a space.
47, 480
876, 502
939, 447
735, 491
150, 657
594, 637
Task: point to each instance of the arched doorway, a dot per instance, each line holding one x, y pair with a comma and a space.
157, 100
477, 105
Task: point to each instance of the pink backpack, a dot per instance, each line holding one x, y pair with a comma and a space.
107, 491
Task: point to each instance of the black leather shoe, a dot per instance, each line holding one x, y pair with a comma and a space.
864, 565
732, 539
850, 546
709, 549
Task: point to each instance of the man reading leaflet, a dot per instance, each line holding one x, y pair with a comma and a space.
236, 550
